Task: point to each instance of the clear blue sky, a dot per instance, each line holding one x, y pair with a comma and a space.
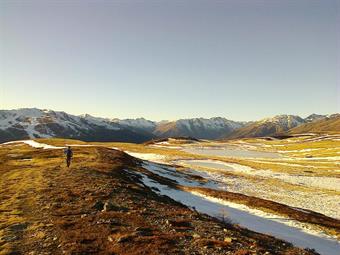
240, 59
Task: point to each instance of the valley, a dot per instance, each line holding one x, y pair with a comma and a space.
169, 127
287, 188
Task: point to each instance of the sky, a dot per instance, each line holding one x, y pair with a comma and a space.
239, 59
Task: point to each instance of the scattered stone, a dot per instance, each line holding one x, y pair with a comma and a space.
110, 239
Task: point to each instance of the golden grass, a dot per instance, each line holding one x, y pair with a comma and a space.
307, 167
295, 166
95, 174
59, 141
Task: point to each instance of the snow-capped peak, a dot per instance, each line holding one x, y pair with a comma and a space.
44, 123
212, 123
139, 123
288, 120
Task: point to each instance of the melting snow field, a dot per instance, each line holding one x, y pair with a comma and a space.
147, 156
318, 194
300, 234
264, 223
38, 145
231, 151
316, 199
35, 144
330, 183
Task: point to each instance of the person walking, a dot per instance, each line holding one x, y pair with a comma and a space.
69, 154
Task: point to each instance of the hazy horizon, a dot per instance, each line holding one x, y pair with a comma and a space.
242, 60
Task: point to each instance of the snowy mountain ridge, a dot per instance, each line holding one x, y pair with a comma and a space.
202, 128
213, 123
285, 120
29, 118
277, 125
37, 123
139, 123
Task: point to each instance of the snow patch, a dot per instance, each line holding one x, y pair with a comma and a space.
295, 234
314, 200
331, 183
148, 156
44, 146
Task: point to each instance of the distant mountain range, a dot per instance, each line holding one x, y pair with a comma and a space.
213, 128
36, 123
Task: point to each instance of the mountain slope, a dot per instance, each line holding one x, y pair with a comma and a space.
268, 127
199, 128
315, 117
36, 123
139, 124
330, 124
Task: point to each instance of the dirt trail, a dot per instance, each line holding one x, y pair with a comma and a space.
97, 207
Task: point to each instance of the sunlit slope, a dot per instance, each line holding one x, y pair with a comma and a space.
327, 125
268, 127
100, 206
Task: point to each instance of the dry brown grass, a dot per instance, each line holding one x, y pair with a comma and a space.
47, 208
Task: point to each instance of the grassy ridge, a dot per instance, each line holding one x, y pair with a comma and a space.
330, 125
98, 207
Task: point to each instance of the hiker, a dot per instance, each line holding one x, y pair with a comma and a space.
69, 154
